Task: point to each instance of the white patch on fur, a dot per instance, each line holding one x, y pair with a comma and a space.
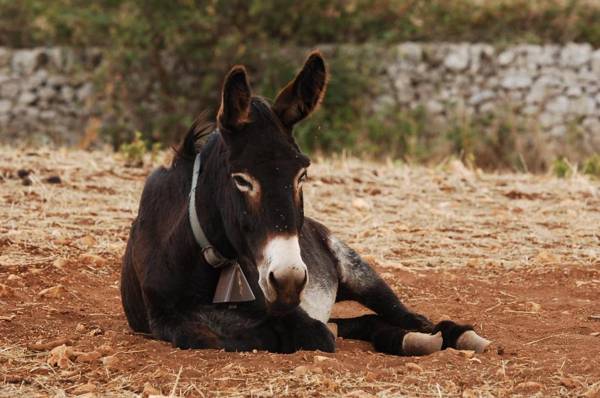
318, 301
281, 256
340, 251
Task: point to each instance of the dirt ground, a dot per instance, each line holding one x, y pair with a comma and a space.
516, 255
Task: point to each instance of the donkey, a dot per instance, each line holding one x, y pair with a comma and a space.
231, 203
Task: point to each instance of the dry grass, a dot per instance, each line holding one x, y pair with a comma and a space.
496, 250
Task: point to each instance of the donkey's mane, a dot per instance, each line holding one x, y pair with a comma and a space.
193, 141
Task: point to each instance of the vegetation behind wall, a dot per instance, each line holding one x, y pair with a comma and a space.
175, 53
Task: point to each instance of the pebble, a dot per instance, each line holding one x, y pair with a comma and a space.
528, 387
53, 292
414, 367
53, 180
84, 389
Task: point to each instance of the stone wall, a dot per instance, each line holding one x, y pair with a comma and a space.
49, 92
46, 94
557, 87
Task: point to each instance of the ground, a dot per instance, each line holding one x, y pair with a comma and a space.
516, 255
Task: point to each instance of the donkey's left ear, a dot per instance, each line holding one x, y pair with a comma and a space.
302, 95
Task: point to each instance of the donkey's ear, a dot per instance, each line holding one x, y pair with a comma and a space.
235, 99
302, 95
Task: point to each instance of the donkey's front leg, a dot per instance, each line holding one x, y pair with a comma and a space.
298, 331
395, 329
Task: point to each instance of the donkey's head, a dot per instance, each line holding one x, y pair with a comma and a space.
266, 173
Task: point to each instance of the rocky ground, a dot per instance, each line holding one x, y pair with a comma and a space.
516, 255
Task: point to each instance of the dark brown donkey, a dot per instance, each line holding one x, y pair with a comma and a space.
222, 256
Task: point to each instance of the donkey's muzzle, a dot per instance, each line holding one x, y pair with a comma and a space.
288, 287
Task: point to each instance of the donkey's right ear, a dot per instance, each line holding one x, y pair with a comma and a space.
235, 100
302, 95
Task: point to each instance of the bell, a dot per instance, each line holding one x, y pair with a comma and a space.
233, 287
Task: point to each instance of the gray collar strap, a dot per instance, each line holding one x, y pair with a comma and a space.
232, 287
211, 255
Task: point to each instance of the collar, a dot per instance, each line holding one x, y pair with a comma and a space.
210, 254
232, 287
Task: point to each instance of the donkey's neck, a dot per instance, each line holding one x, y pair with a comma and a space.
211, 195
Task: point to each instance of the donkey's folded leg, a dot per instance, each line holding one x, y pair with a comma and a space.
387, 338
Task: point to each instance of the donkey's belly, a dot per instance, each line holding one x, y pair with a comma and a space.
318, 299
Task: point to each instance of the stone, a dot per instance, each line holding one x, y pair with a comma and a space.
506, 57
84, 389
55, 57
32, 112
481, 97
434, 54
46, 93
574, 91
85, 91
582, 106
591, 124
516, 80
25, 62
457, 60
549, 79
53, 292
67, 93
5, 56
558, 131
5, 106
404, 90
595, 62
488, 107
47, 114
60, 356
559, 105
548, 119
56, 81
575, 55
9, 89
515, 96
434, 107
411, 52
548, 55
38, 79
27, 98
536, 95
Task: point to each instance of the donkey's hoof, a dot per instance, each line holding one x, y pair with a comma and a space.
470, 340
417, 344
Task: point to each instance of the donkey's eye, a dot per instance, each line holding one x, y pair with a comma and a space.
302, 178
242, 183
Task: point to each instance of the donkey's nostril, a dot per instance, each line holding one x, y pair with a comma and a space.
273, 280
304, 280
